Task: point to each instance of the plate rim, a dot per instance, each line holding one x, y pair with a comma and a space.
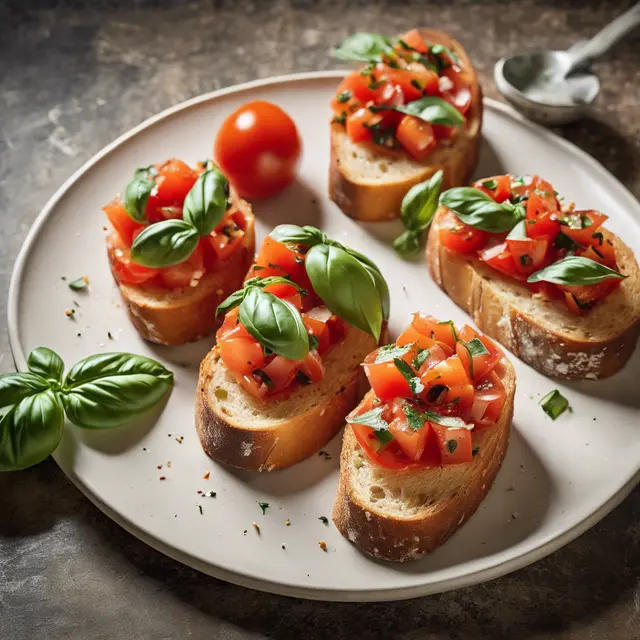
494, 570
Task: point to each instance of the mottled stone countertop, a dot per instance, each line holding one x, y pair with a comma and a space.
73, 76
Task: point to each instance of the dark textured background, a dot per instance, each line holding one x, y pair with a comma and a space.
73, 76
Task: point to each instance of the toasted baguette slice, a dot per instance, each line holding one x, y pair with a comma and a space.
369, 184
540, 331
239, 430
401, 515
173, 317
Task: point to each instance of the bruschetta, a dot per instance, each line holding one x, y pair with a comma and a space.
413, 109
422, 449
549, 282
172, 297
286, 367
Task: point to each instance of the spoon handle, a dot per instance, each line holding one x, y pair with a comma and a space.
597, 46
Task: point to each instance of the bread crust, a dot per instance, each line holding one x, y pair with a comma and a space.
285, 443
549, 349
399, 539
381, 200
176, 317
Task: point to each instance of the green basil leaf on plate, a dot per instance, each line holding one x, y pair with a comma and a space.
207, 201
477, 209
575, 271
30, 430
419, 205
47, 363
164, 244
307, 236
347, 287
15, 387
433, 110
372, 418
274, 323
364, 47
107, 390
136, 195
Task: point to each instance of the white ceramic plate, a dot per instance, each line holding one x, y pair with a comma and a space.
557, 480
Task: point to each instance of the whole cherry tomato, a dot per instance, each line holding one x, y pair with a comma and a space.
258, 148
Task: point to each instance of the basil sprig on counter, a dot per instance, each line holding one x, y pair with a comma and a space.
364, 47
100, 392
575, 271
276, 324
418, 207
170, 242
477, 209
434, 110
349, 283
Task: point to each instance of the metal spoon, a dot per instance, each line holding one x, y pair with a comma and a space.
555, 87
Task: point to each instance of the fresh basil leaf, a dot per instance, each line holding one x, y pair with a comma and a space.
136, 194
306, 236
233, 301
408, 243
275, 324
409, 375
390, 351
418, 207
164, 244
146, 173
372, 418
364, 47
415, 418
421, 358
476, 347
47, 363
554, 404
30, 430
420, 203
347, 287
434, 110
477, 209
575, 271
207, 201
375, 273
448, 421
107, 390
80, 284
15, 387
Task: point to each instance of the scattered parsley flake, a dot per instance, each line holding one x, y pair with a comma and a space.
324, 519
264, 506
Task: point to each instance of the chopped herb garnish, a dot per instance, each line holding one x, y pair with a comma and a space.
404, 45
372, 418
376, 84
302, 377
526, 260
391, 351
563, 241
264, 506
323, 519
409, 375
452, 445
489, 184
200, 508
344, 96
339, 119
554, 404
313, 342
436, 393
476, 347
210, 494
416, 84
415, 418
421, 358
384, 437
598, 236
453, 329
475, 451
264, 377
79, 284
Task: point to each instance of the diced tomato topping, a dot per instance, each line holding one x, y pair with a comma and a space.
124, 224
528, 253
125, 270
457, 89
586, 223
173, 182
359, 124
415, 40
458, 236
456, 445
432, 328
243, 355
416, 136
501, 259
500, 192
542, 211
387, 381
185, 274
